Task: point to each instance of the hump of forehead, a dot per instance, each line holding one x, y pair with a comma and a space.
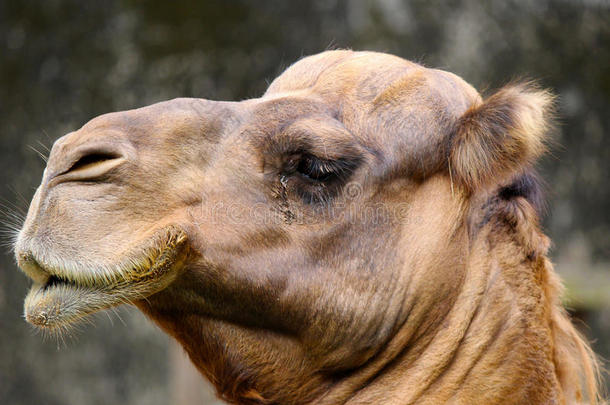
336, 72
304, 73
371, 78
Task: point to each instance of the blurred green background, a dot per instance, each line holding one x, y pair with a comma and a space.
65, 62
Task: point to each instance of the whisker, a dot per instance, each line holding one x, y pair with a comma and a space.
46, 134
11, 205
11, 221
9, 214
116, 312
45, 147
39, 153
25, 201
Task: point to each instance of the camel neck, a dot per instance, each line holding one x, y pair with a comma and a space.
493, 345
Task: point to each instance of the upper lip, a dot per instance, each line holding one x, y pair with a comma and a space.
45, 276
41, 274
32, 268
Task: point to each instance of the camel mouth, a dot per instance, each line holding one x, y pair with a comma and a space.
60, 297
59, 302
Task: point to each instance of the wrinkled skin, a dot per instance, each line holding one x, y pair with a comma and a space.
365, 233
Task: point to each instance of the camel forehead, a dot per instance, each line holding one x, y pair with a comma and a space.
372, 77
338, 68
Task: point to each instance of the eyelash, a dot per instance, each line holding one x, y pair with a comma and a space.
315, 169
317, 179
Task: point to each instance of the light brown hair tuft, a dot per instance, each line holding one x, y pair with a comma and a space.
495, 139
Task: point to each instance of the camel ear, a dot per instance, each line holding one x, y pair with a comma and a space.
497, 138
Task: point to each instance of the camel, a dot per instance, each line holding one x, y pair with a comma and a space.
366, 232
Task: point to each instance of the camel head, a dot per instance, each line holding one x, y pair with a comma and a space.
300, 244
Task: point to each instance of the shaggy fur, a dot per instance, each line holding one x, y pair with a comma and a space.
497, 138
366, 232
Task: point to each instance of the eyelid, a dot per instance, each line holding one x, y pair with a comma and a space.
318, 169
321, 135
315, 168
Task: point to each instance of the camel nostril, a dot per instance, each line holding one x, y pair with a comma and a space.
91, 164
91, 159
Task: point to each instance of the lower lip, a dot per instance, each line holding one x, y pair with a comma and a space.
59, 305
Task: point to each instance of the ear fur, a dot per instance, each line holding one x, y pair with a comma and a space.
497, 138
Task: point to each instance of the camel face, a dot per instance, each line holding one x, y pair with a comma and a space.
101, 229
127, 198
300, 243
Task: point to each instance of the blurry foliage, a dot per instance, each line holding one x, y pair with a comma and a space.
64, 62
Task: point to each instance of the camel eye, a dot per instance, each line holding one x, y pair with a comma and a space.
315, 169
315, 179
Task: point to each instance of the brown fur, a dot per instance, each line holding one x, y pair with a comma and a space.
365, 233
497, 138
